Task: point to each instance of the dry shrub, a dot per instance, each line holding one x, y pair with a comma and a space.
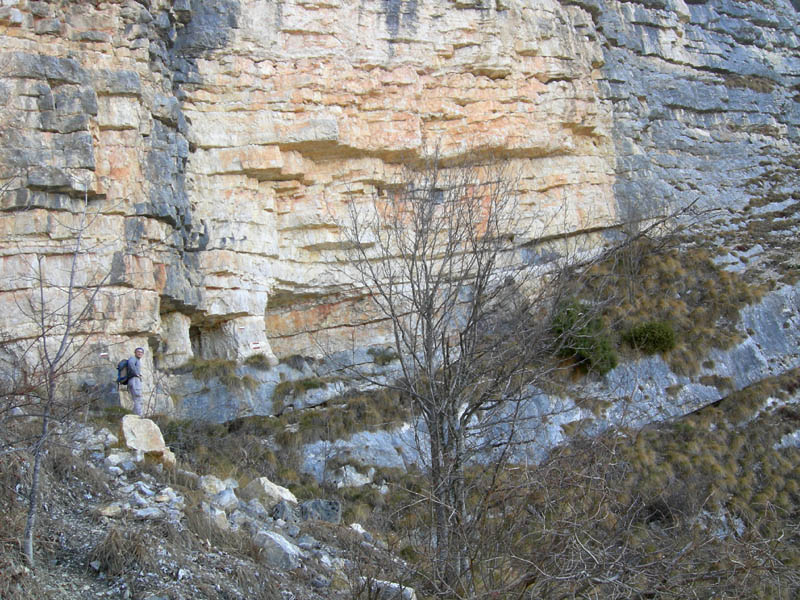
673, 495
61, 463
204, 531
124, 549
242, 449
16, 581
702, 504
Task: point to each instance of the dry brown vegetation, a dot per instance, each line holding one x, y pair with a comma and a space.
705, 507
252, 447
682, 287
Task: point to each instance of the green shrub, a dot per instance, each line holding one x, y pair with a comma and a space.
651, 337
581, 335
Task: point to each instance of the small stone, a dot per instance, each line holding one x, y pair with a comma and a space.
116, 458
150, 513
144, 489
292, 530
306, 542
165, 495
210, 485
216, 516
255, 509
112, 511
226, 500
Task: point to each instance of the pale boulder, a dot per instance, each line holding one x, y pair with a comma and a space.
215, 516
266, 491
143, 435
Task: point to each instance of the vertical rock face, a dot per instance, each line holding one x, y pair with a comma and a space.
215, 141
705, 97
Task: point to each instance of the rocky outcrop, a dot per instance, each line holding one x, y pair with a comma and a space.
632, 395
192, 504
215, 142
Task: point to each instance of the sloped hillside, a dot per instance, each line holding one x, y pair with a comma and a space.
708, 503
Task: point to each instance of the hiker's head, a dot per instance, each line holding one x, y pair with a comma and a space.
139, 352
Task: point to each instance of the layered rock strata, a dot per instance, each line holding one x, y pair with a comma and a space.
214, 142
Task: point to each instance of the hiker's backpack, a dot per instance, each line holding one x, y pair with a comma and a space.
122, 372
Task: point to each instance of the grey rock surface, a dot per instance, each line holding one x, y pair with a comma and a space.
278, 551
636, 394
323, 510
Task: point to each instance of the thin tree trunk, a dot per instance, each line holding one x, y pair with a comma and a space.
439, 492
33, 497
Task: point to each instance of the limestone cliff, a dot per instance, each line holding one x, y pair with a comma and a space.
215, 140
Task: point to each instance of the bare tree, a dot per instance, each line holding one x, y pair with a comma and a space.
57, 306
472, 324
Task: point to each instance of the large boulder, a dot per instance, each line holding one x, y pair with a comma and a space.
263, 489
143, 435
321, 510
278, 551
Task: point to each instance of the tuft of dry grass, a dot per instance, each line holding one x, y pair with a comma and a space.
222, 370
683, 287
258, 361
16, 579
124, 549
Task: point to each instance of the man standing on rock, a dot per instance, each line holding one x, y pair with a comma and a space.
135, 380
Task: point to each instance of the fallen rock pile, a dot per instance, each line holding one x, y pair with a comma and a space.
139, 463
